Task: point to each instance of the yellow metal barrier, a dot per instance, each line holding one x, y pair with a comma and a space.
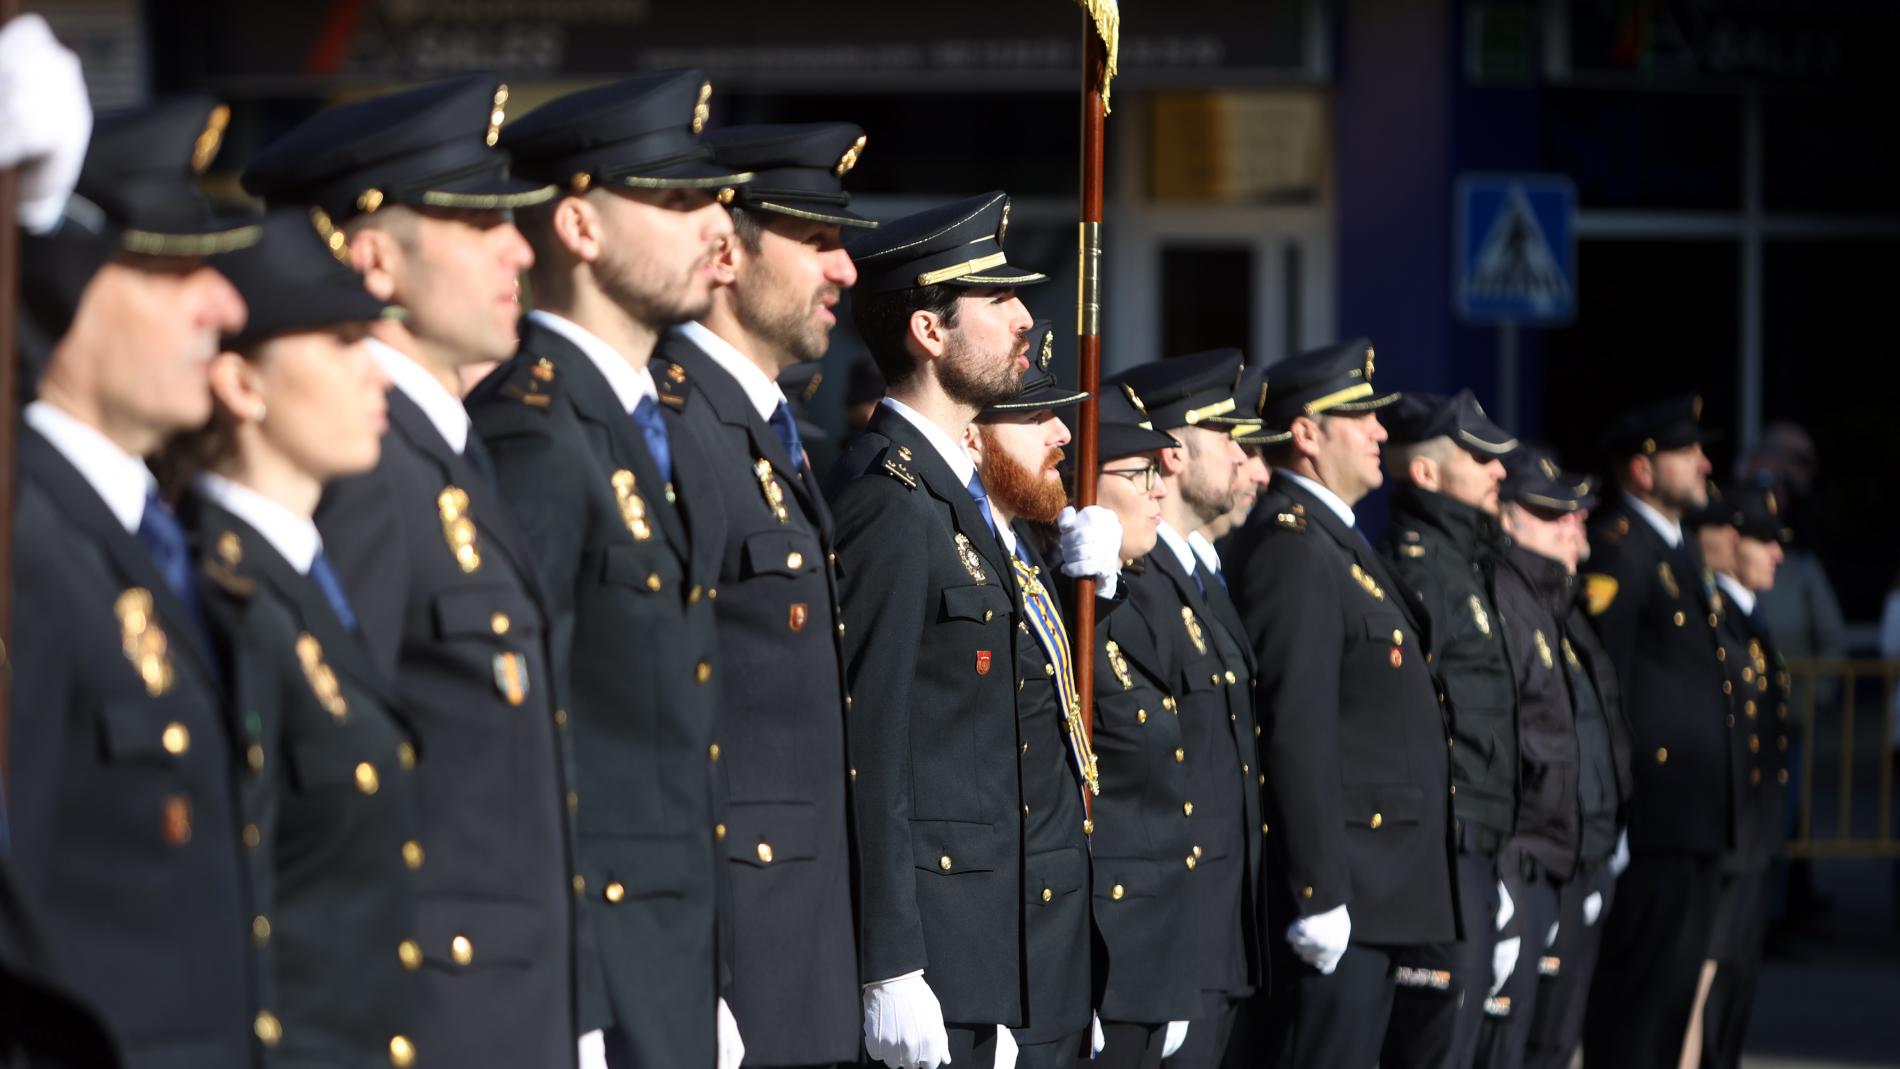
1831, 696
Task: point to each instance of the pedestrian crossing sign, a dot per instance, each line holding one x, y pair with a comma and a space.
1517, 248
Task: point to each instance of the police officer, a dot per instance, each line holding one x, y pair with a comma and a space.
787, 846
1741, 534
1544, 509
1017, 445
1442, 547
442, 584
1182, 397
1658, 624
1146, 972
619, 505
121, 810
930, 607
328, 807
1353, 736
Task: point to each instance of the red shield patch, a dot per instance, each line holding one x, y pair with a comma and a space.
1397, 657
982, 662
800, 613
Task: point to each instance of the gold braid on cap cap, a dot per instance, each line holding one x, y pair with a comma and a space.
702, 110
1135, 399
205, 148
338, 243
850, 157
497, 114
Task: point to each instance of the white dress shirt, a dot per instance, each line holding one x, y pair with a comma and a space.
120, 479
1671, 532
1205, 550
294, 537
1177, 545
1738, 595
630, 385
764, 393
443, 408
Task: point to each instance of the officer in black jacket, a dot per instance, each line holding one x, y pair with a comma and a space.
1657, 622
619, 501
327, 794
1741, 534
1443, 547
795, 969
1145, 970
1544, 512
121, 800
1191, 397
443, 586
1018, 445
1354, 750
930, 607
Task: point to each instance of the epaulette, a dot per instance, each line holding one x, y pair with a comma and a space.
530, 381
671, 383
221, 568
1294, 520
894, 463
1615, 532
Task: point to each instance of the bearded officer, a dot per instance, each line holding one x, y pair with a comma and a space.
443, 585
787, 845
1658, 624
1353, 732
930, 607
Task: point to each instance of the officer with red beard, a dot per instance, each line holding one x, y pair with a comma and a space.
1017, 445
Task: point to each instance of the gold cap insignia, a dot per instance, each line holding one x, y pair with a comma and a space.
1260, 406
230, 549
1048, 349
1695, 407
205, 149
811, 388
850, 157
702, 110
1369, 355
337, 241
369, 200
580, 181
726, 193
497, 115
1002, 225
1769, 497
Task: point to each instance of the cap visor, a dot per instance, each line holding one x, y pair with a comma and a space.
1369, 404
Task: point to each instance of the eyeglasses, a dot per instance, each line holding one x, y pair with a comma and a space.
1143, 477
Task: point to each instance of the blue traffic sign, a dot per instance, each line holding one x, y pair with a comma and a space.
1517, 248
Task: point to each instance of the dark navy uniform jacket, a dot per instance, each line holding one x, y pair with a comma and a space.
328, 803
446, 594
123, 796
930, 612
1355, 747
631, 566
794, 983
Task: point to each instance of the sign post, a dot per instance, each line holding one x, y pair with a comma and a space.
1516, 240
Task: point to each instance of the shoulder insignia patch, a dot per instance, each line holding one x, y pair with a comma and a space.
322, 678
1412, 552
633, 507
1599, 591
1544, 655
143, 641
458, 530
1366, 582
1668, 577
1483, 620
222, 568
972, 560
1570, 655
774, 493
1193, 630
1120, 665
900, 473
1291, 521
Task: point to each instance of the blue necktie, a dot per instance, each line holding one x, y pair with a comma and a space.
647, 415
975, 486
786, 428
325, 577
164, 539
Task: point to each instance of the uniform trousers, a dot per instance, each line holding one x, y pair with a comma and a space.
1131, 1046
1557, 1023
1061, 1053
1330, 1022
1207, 1036
971, 1045
1654, 944
1435, 1024
1740, 938
1508, 1015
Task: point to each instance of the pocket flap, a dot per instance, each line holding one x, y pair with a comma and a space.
1380, 627
1052, 874
329, 762
644, 866
948, 847
135, 728
1376, 805
648, 566
769, 833
1120, 879
483, 611
782, 552
468, 933
974, 602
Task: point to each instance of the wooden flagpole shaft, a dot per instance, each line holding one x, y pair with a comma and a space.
1088, 350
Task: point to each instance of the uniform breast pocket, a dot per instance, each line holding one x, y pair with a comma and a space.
1385, 629
648, 568
980, 604
154, 731
763, 834
951, 847
787, 552
483, 611
1376, 807
337, 762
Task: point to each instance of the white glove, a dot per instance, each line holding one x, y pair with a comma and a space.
731, 1047
1503, 962
45, 118
903, 1023
1592, 908
1177, 1035
1320, 940
593, 1050
1506, 908
1005, 1048
1091, 546
1097, 1040
1620, 857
